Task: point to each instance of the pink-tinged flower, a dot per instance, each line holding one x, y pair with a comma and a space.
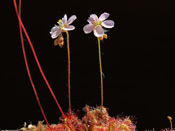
64, 25
96, 24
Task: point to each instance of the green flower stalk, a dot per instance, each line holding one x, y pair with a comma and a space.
96, 25
56, 33
101, 72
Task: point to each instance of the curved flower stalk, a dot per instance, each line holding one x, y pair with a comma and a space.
96, 25
37, 61
56, 33
171, 125
27, 67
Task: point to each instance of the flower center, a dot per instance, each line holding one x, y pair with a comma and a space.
98, 22
61, 24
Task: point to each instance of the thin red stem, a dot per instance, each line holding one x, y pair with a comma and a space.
36, 59
27, 67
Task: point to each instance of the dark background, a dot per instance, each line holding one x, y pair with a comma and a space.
138, 62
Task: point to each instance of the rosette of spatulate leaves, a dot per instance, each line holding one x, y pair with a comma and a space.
95, 119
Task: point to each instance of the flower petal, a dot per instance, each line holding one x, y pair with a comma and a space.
103, 16
71, 19
98, 32
88, 28
69, 27
108, 23
54, 29
64, 19
55, 32
92, 18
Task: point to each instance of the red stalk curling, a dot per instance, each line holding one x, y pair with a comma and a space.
36, 59
27, 67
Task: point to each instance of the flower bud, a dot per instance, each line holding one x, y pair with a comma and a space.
61, 44
105, 36
169, 117
59, 41
101, 37
55, 42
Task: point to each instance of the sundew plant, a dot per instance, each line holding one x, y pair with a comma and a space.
95, 118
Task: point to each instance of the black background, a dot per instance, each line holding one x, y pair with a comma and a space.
138, 62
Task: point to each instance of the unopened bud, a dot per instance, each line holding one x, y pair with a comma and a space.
59, 41
61, 44
169, 117
56, 42
101, 37
105, 36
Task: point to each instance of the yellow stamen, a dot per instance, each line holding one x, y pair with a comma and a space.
59, 21
95, 18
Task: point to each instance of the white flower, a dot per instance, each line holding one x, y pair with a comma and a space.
96, 24
64, 25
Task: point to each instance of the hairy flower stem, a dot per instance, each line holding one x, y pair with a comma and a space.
101, 76
27, 68
68, 55
36, 59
